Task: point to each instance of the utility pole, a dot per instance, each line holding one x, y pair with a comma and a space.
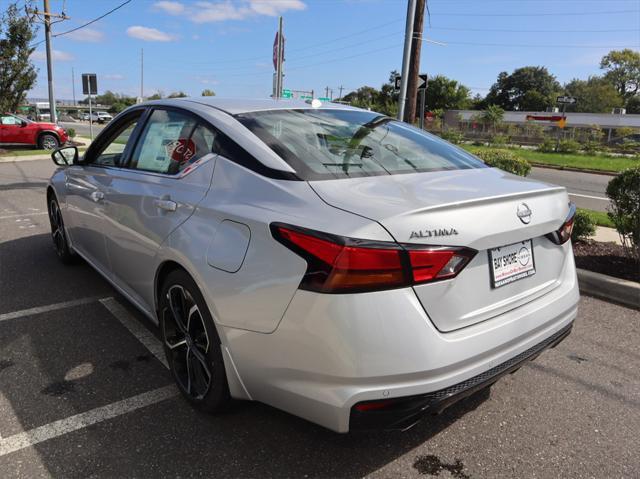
408, 36
341, 88
279, 61
326, 92
73, 86
142, 74
414, 63
47, 36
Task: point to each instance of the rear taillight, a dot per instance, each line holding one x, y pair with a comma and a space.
563, 234
336, 264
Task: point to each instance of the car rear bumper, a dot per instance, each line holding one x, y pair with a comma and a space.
331, 352
403, 413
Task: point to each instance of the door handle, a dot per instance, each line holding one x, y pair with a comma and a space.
167, 205
97, 196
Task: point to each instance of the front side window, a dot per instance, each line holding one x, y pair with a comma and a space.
170, 142
325, 144
111, 153
10, 120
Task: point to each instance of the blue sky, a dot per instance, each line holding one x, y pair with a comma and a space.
227, 45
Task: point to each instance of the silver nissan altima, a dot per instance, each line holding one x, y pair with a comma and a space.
329, 261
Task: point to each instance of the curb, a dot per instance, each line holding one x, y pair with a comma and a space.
570, 168
621, 291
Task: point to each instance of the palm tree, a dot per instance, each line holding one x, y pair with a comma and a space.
493, 116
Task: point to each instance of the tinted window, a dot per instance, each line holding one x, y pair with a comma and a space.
323, 144
170, 142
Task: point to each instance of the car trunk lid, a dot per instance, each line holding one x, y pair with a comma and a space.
482, 208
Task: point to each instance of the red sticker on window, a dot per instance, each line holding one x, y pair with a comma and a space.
181, 150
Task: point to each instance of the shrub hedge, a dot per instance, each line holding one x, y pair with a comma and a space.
505, 160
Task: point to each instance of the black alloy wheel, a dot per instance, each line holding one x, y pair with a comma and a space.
191, 344
58, 234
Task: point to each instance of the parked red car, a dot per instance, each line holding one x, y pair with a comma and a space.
15, 130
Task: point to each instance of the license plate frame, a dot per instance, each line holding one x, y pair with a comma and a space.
511, 263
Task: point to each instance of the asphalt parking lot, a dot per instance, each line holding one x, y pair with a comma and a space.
84, 392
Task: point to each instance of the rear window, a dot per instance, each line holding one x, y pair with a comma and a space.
326, 144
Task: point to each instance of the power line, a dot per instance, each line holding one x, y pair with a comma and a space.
309, 47
85, 24
94, 20
558, 14
462, 29
527, 45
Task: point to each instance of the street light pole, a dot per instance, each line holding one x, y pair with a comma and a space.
47, 36
408, 37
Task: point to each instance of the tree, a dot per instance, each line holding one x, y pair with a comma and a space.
527, 88
633, 104
595, 95
623, 68
156, 96
384, 100
116, 101
492, 116
208, 92
179, 94
17, 73
446, 94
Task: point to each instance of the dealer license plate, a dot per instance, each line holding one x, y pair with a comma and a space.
511, 263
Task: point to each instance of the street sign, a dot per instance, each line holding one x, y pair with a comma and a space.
287, 94
324, 98
567, 100
275, 52
422, 81
89, 84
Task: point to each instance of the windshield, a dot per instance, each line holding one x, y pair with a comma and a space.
325, 144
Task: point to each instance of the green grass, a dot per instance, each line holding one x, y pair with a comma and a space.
600, 218
586, 162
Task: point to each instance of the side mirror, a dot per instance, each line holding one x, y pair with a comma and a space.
23, 123
65, 156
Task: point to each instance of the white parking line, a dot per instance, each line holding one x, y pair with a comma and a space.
133, 325
588, 196
64, 426
45, 309
6, 217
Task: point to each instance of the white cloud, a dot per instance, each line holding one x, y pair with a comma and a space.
149, 34
58, 55
172, 8
210, 12
114, 76
87, 35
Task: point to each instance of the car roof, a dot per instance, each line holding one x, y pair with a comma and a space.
235, 106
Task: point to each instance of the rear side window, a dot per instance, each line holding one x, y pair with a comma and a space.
170, 142
325, 144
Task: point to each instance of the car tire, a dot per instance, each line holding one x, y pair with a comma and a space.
48, 141
58, 233
191, 344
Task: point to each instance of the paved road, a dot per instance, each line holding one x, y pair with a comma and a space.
80, 395
586, 190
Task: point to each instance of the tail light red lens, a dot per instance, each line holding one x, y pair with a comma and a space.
563, 234
337, 264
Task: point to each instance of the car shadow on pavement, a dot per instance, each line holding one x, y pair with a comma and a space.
57, 364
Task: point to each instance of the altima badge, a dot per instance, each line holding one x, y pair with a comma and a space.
524, 213
433, 233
